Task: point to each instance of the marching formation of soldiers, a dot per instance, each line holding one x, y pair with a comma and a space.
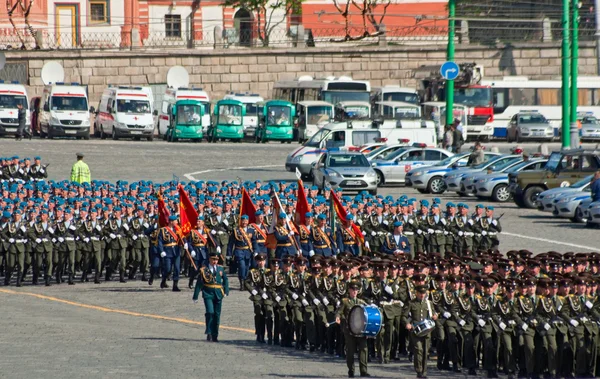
520, 315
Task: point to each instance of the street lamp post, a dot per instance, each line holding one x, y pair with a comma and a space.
450, 57
574, 71
566, 103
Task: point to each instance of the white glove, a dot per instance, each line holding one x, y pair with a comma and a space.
53, 240
373, 234
134, 237
360, 222
72, 227
112, 235
23, 228
411, 221
38, 240
213, 232
316, 301
277, 299
525, 327
298, 253
364, 233
98, 228
462, 323
367, 245
163, 254
446, 315
460, 233
185, 245
196, 301
193, 254
547, 326
430, 231
294, 296
470, 222
264, 296
11, 240
481, 322
311, 253
291, 233
304, 302
86, 240
226, 222
389, 290
575, 323
325, 301
126, 227
494, 222
146, 225
483, 233
502, 325
42, 170
219, 249
419, 231
51, 230
254, 292
60, 239
385, 222
589, 304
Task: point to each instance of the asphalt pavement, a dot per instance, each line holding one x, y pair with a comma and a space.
124, 330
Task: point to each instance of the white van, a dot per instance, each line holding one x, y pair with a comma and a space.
64, 111
11, 95
254, 108
312, 116
126, 112
352, 133
170, 98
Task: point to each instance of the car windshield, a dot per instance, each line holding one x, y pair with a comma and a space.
350, 160
553, 161
377, 151
189, 114
230, 114
355, 112
519, 167
532, 119
68, 103
133, 106
505, 165
11, 101
316, 139
583, 182
489, 163
279, 115
407, 113
451, 159
318, 115
589, 120
395, 154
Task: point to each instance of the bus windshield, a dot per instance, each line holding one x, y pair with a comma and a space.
335, 97
189, 115
279, 116
230, 115
318, 115
68, 103
11, 101
473, 97
407, 113
406, 97
133, 106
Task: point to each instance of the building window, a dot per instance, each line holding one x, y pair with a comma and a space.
173, 25
99, 11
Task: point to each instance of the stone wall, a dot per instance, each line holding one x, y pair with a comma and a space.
220, 71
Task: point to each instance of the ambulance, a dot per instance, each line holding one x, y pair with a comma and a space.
126, 112
12, 94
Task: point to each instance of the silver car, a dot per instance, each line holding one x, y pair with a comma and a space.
545, 200
592, 213
347, 170
453, 178
565, 206
396, 165
529, 126
468, 181
383, 151
429, 179
495, 185
590, 129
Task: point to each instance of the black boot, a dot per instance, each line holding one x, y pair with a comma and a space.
191, 283
144, 276
151, 280
47, 281
122, 276
19, 275
107, 276
34, 280
71, 282
163, 283
241, 285
84, 276
175, 287
97, 277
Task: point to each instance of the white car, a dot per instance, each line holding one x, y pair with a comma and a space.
545, 200
394, 168
383, 151
565, 206
495, 185
593, 214
453, 178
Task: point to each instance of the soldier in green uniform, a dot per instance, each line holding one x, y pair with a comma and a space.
422, 237
546, 347
41, 233
464, 230
255, 284
410, 226
527, 321
90, 232
297, 293
506, 306
212, 282
484, 312
15, 234
139, 243
376, 227
451, 238
66, 232
115, 231
415, 312
436, 226
447, 341
353, 343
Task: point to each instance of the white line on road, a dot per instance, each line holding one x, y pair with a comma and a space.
550, 241
190, 176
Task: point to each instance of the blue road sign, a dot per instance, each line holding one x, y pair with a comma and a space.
449, 70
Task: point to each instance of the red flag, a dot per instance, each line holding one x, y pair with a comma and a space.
277, 208
188, 217
342, 215
302, 206
163, 212
247, 207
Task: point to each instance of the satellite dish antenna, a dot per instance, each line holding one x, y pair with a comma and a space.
178, 77
2, 60
53, 72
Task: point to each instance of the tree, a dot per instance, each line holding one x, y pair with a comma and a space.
264, 11
372, 14
10, 8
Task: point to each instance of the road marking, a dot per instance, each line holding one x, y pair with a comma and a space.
121, 311
550, 241
190, 176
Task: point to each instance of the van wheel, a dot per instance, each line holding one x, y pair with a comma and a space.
87, 136
174, 139
50, 136
42, 134
114, 135
102, 134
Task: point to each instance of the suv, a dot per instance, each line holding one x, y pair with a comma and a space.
563, 169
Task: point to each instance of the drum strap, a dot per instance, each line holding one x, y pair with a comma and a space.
429, 308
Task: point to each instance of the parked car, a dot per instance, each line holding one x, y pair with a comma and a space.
593, 214
346, 170
453, 179
468, 181
565, 206
529, 125
545, 200
590, 129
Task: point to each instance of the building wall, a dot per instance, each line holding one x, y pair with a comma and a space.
256, 70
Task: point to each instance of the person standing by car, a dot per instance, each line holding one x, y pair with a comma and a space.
477, 155
22, 117
595, 186
457, 137
448, 139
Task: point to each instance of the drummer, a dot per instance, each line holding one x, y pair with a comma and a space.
353, 342
418, 310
